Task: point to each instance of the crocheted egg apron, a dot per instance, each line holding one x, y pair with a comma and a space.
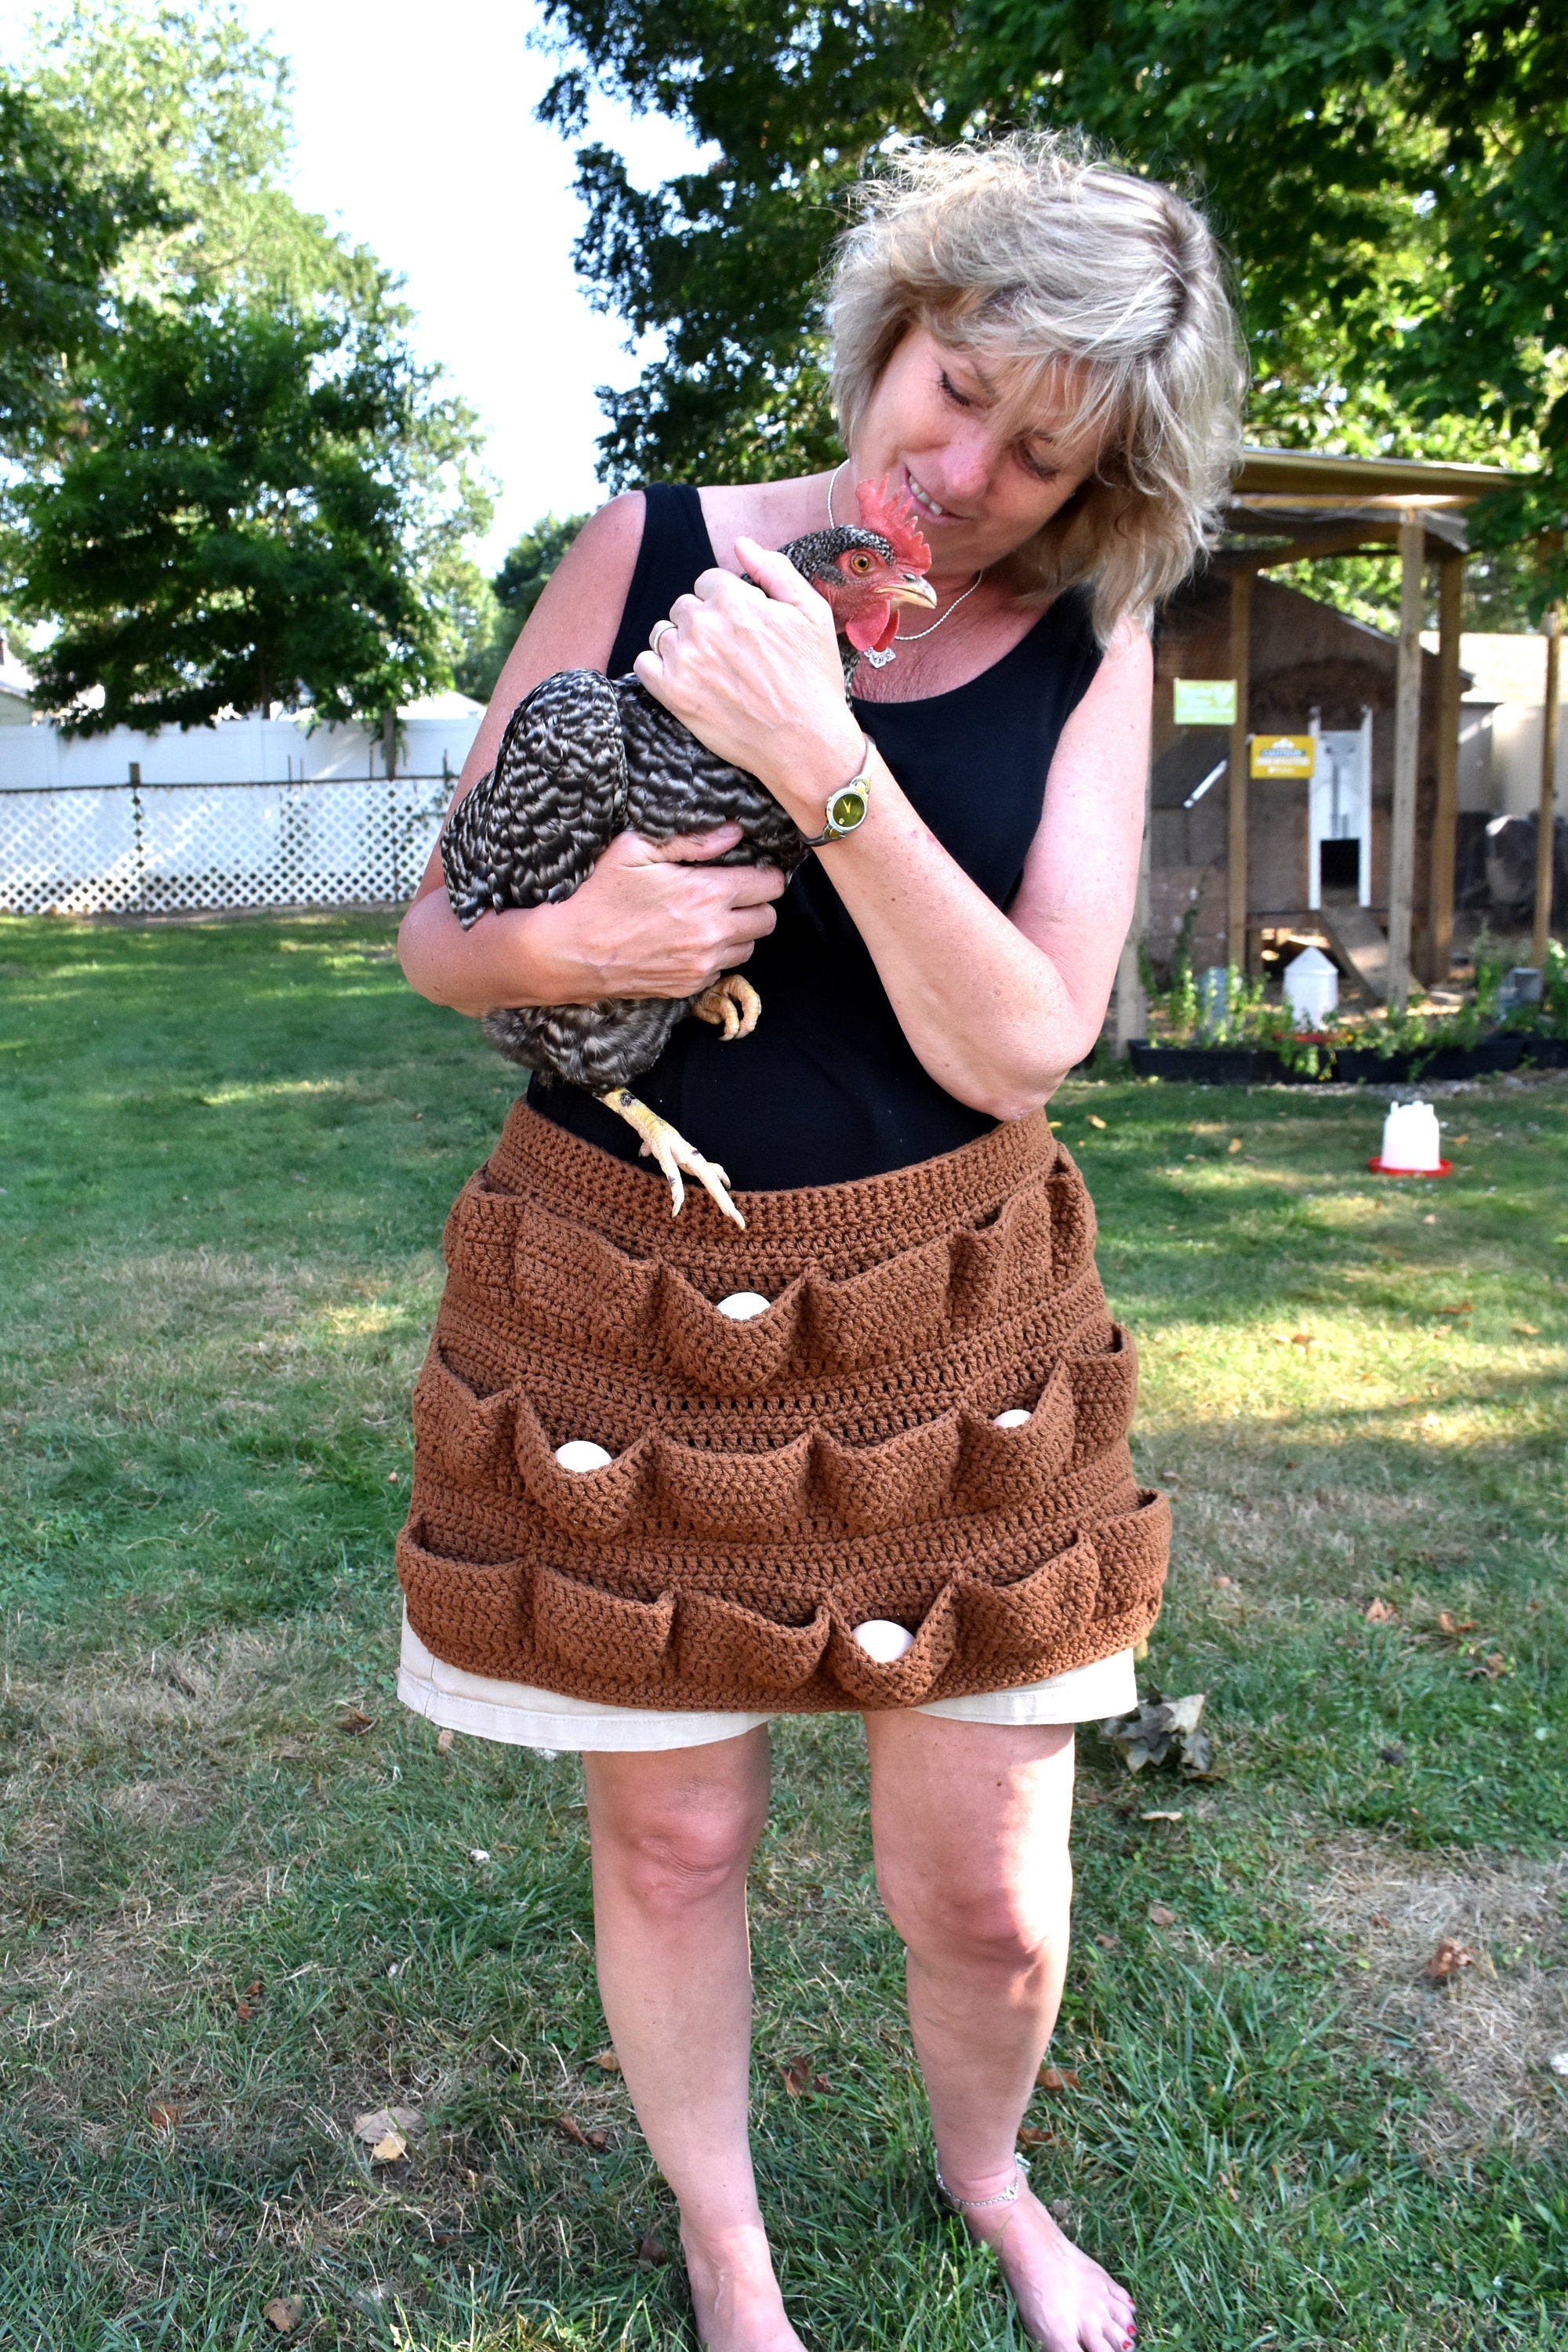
774, 1483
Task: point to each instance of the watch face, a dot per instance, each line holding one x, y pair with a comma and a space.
846, 809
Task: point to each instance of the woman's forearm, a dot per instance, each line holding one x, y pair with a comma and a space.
525, 956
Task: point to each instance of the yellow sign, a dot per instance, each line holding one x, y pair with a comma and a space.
1283, 755
1205, 701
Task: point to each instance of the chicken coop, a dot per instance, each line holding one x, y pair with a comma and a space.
1306, 771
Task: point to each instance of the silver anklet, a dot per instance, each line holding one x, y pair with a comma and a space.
977, 2204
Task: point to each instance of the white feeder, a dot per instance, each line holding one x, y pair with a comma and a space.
741, 1305
1313, 987
582, 1454
1014, 1418
882, 1640
1412, 1145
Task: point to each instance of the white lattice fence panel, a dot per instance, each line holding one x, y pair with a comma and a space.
165, 849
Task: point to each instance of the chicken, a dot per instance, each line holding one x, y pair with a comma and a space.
585, 758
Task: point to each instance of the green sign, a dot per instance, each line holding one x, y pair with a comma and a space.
1205, 701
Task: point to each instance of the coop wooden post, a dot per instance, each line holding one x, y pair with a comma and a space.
1407, 739
1545, 843
1235, 846
1445, 822
1131, 1000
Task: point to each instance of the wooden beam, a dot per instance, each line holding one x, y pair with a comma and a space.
1446, 824
1406, 739
1236, 862
1545, 843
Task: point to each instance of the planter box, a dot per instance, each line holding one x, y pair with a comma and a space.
1203, 1066
1546, 1053
1359, 1066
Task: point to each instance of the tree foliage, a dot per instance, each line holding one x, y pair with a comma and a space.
60, 235
509, 598
249, 515
1392, 179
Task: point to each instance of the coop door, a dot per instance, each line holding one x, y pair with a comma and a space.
1340, 847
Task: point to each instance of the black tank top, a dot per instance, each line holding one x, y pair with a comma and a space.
826, 1088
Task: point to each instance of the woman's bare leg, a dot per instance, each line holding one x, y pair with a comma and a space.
971, 1824
672, 1833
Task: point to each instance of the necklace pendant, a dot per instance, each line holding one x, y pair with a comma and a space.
881, 661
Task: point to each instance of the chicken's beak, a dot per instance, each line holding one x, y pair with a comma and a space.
913, 588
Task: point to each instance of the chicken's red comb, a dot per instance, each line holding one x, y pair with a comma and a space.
895, 520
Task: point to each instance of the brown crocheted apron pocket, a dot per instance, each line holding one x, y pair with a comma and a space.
776, 1481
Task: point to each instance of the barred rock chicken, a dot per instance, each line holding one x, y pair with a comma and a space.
585, 758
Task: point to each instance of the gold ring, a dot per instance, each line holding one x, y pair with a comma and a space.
653, 633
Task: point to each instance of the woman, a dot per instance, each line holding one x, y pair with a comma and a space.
1040, 348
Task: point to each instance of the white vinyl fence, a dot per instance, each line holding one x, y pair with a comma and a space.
165, 849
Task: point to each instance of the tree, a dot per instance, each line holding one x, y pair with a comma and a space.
1391, 179
60, 236
509, 598
192, 101
259, 507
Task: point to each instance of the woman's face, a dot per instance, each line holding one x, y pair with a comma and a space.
983, 478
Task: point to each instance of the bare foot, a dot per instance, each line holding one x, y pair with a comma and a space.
1066, 2303
735, 2295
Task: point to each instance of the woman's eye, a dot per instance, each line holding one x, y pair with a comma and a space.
961, 399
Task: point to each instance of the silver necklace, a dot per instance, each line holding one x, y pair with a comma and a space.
881, 661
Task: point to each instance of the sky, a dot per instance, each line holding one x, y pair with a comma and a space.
415, 135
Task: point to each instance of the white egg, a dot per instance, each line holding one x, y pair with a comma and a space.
882, 1640
741, 1305
1014, 1418
582, 1454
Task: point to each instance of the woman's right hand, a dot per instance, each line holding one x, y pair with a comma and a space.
650, 921
657, 919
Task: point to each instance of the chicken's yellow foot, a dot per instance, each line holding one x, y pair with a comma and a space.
732, 1004
666, 1144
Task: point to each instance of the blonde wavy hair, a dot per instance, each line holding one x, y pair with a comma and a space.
1081, 280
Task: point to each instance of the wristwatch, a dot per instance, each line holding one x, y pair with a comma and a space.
846, 809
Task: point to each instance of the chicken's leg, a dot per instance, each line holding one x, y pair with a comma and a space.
732, 1004
666, 1144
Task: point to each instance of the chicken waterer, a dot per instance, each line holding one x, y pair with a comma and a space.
1410, 1143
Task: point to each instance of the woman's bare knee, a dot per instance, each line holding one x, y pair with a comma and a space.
674, 1841
992, 1922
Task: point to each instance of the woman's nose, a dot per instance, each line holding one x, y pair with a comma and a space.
968, 462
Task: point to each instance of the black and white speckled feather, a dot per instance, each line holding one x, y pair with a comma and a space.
585, 758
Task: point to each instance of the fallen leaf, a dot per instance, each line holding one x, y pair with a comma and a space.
1490, 1669
821, 2085
1031, 2136
796, 2077
1300, 1339
1530, 1331
597, 2140
1461, 1139
382, 2123
390, 2150
1223, 1583
653, 2250
1058, 2078
606, 2062
356, 1722
1109, 1943
248, 2002
1468, 1308
1160, 1917
284, 2313
444, 1742
1160, 1816
162, 2114
1095, 1119
1447, 1624
1379, 1920
1380, 1612
1393, 1754
1235, 1144
1161, 1729
1448, 1960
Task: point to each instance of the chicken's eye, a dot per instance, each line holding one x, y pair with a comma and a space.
860, 561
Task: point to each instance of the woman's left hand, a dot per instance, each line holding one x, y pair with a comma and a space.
755, 672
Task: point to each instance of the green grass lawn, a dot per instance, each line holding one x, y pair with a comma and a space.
242, 1897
